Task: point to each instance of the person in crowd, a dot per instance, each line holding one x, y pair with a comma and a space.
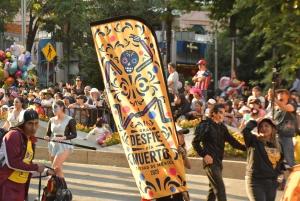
197, 97
21, 88
78, 89
295, 97
213, 134
256, 94
68, 100
187, 88
37, 90
64, 91
202, 78
94, 99
47, 102
80, 113
61, 85
38, 106
31, 97
11, 99
87, 90
100, 131
245, 111
52, 90
222, 100
296, 85
182, 150
15, 114
41, 95
284, 117
197, 113
24, 95
210, 103
182, 106
3, 100
173, 78
61, 128
13, 89
230, 115
256, 104
241, 104
18, 168
265, 159
57, 96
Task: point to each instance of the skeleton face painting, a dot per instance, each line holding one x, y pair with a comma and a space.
129, 60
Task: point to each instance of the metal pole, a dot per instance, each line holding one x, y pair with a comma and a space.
22, 18
232, 56
47, 73
216, 57
24, 24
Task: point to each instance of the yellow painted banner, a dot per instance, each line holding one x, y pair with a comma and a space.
134, 80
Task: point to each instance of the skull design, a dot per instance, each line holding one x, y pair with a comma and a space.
129, 60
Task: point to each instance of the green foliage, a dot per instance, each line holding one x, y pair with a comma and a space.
8, 10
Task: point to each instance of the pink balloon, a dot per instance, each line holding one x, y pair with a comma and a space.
18, 74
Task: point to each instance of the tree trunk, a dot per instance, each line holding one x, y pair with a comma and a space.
169, 20
31, 32
232, 35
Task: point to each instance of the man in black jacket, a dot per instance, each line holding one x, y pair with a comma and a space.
213, 134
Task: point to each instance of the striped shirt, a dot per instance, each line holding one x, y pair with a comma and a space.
203, 85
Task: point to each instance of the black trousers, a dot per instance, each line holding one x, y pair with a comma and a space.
261, 189
216, 183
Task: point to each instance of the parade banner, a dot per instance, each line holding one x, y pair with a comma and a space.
132, 70
292, 188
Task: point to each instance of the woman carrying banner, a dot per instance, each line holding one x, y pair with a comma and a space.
61, 127
264, 160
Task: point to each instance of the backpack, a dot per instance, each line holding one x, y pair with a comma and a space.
3, 132
56, 190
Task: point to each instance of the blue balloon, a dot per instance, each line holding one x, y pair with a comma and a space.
28, 59
13, 68
24, 68
24, 75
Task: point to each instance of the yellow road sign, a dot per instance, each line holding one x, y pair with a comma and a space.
49, 52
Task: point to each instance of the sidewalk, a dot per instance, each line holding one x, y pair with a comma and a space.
108, 183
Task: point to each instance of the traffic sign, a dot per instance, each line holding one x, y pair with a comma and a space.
49, 52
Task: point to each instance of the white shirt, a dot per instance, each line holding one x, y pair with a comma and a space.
46, 102
98, 132
173, 77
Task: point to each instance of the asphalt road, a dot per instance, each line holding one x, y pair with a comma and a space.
107, 183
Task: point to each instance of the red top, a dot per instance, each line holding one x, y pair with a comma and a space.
203, 85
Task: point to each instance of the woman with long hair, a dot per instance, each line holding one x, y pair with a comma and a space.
78, 88
15, 114
61, 128
264, 160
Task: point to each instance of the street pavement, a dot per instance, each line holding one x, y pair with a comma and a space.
108, 183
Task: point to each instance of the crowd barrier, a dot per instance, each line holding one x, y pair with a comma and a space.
85, 116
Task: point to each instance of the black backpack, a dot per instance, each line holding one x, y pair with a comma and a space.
56, 190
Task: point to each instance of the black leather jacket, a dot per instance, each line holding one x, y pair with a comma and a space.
213, 137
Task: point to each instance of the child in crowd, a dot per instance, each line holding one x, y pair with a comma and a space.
101, 132
198, 112
245, 111
38, 108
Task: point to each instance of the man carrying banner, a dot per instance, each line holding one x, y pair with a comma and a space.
213, 134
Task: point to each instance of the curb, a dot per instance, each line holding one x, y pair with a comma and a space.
231, 169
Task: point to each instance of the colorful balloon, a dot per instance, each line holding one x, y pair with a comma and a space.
2, 55
1, 64
22, 60
6, 74
5, 61
28, 59
18, 74
24, 68
30, 66
1, 74
8, 54
7, 50
13, 68
13, 58
7, 65
24, 75
15, 50
10, 81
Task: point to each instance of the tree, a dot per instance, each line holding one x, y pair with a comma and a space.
8, 10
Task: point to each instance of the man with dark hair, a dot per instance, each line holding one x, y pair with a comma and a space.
173, 78
213, 134
18, 148
202, 78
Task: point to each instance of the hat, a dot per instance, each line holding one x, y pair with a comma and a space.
28, 116
79, 77
202, 61
33, 94
94, 90
244, 108
229, 103
25, 92
211, 101
256, 101
295, 93
47, 91
2, 90
181, 130
193, 90
283, 90
69, 98
81, 97
269, 119
13, 88
38, 101
14, 94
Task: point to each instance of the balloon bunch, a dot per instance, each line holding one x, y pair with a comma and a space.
14, 64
